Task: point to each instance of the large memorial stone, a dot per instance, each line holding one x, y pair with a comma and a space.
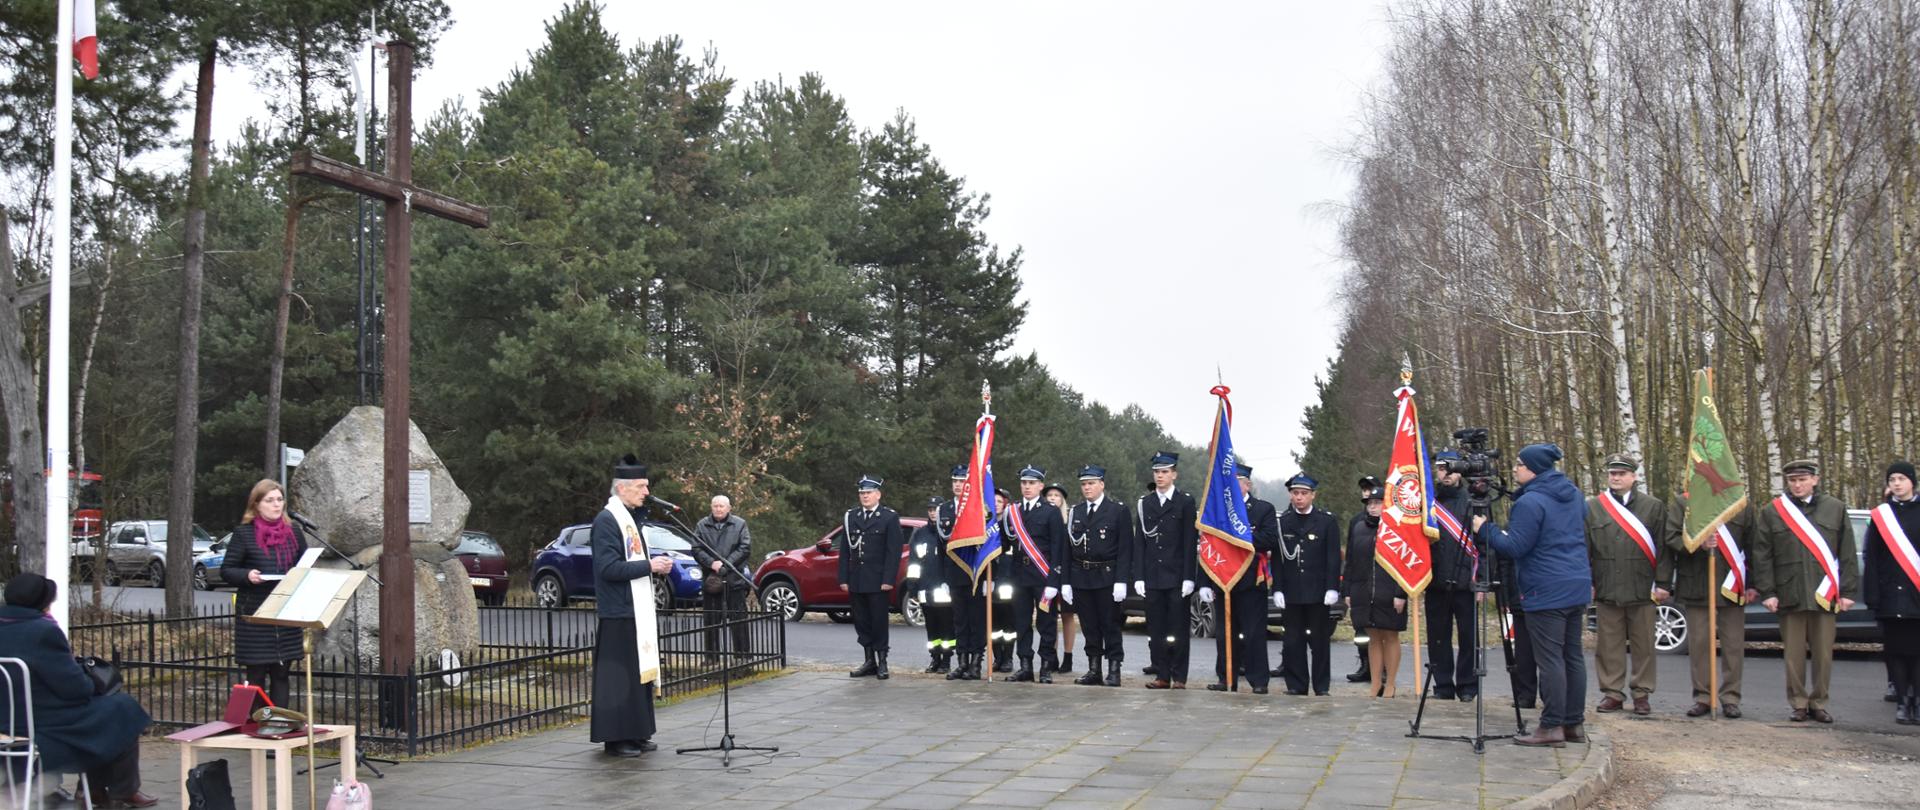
338, 487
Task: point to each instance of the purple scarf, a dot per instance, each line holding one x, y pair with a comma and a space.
275, 539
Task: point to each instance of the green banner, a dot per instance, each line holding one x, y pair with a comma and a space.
1716, 491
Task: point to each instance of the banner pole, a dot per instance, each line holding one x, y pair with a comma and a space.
1231, 639
1713, 636
990, 593
1419, 675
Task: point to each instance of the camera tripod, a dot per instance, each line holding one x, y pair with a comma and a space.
1480, 736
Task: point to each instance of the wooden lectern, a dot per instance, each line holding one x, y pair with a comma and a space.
310, 599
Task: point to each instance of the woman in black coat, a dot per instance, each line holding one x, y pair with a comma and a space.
265, 544
1892, 593
1376, 604
75, 730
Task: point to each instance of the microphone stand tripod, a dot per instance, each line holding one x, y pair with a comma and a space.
359, 756
726, 746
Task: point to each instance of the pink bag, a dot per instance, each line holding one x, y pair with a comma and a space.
350, 796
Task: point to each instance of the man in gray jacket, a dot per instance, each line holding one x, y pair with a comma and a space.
722, 590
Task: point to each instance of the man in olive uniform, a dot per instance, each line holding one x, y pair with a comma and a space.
870, 546
1100, 560
1308, 576
1169, 537
1630, 568
1249, 595
1692, 589
1034, 549
1805, 569
926, 568
969, 608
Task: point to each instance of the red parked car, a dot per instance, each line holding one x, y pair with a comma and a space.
794, 582
486, 566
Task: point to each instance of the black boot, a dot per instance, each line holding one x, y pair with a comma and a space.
880, 668
865, 669
974, 663
1048, 666
1025, 673
1364, 673
958, 671
1066, 663
1113, 672
1002, 658
1092, 678
933, 661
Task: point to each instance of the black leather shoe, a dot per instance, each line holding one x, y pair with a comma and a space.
880, 671
623, 749
1259, 690
1297, 693
958, 672
1731, 711
1527, 703
1092, 678
1066, 663
1467, 697
1024, 674
1113, 672
646, 745
1219, 687
1445, 693
865, 669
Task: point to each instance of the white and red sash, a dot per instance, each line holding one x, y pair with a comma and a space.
1897, 542
1459, 534
1027, 545
1797, 522
1632, 526
1734, 587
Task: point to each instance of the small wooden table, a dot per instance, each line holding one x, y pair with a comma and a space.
282, 761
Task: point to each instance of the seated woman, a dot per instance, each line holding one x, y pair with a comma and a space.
75, 730
1375, 602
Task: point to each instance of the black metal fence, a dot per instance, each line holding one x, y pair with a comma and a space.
534, 669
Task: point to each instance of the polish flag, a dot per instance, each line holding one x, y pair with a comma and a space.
85, 44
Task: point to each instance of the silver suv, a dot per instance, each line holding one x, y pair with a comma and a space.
138, 548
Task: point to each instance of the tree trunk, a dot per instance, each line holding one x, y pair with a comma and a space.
186, 412
277, 360
20, 394
80, 402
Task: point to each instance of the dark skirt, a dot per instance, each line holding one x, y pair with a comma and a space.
1900, 636
622, 705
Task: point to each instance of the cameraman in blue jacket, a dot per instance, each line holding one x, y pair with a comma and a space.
1546, 537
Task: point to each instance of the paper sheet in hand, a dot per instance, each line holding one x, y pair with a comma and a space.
307, 560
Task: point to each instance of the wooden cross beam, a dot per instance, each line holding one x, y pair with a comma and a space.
396, 189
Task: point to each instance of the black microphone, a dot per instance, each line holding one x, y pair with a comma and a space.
663, 502
303, 521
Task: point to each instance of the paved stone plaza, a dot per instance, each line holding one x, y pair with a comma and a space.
918, 742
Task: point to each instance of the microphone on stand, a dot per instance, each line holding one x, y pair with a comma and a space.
663, 502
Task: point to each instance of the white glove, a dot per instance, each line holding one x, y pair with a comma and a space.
1066, 592
1280, 600
1206, 596
1140, 587
1333, 598
1186, 587
1119, 591
1048, 594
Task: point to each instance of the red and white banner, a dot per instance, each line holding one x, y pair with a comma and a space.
85, 43
1402, 546
1734, 586
1897, 542
1630, 523
1809, 534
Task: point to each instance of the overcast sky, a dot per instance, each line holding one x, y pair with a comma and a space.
1158, 163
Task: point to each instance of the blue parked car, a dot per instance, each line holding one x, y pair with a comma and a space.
563, 570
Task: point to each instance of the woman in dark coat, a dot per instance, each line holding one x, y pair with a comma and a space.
75, 730
265, 544
1892, 592
1376, 604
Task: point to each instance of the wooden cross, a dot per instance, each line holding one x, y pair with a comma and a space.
401, 196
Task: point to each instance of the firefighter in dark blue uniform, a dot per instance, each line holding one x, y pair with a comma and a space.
926, 570
1307, 571
1363, 674
1249, 596
1001, 634
1034, 574
969, 609
1169, 561
869, 562
1100, 561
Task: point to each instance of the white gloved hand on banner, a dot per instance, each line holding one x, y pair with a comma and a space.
1048, 594
1332, 598
1280, 600
1206, 596
1186, 587
1119, 591
1140, 587
1066, 592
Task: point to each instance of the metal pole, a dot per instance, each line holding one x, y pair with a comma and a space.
59, 306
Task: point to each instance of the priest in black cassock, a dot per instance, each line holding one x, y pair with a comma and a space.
622, 704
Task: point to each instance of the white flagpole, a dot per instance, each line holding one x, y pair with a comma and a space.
59, 522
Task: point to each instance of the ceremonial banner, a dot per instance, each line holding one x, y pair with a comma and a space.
976, 531
1226, 535
1402, 546
1716, 491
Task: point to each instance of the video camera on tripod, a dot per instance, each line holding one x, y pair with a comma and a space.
1477, 468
